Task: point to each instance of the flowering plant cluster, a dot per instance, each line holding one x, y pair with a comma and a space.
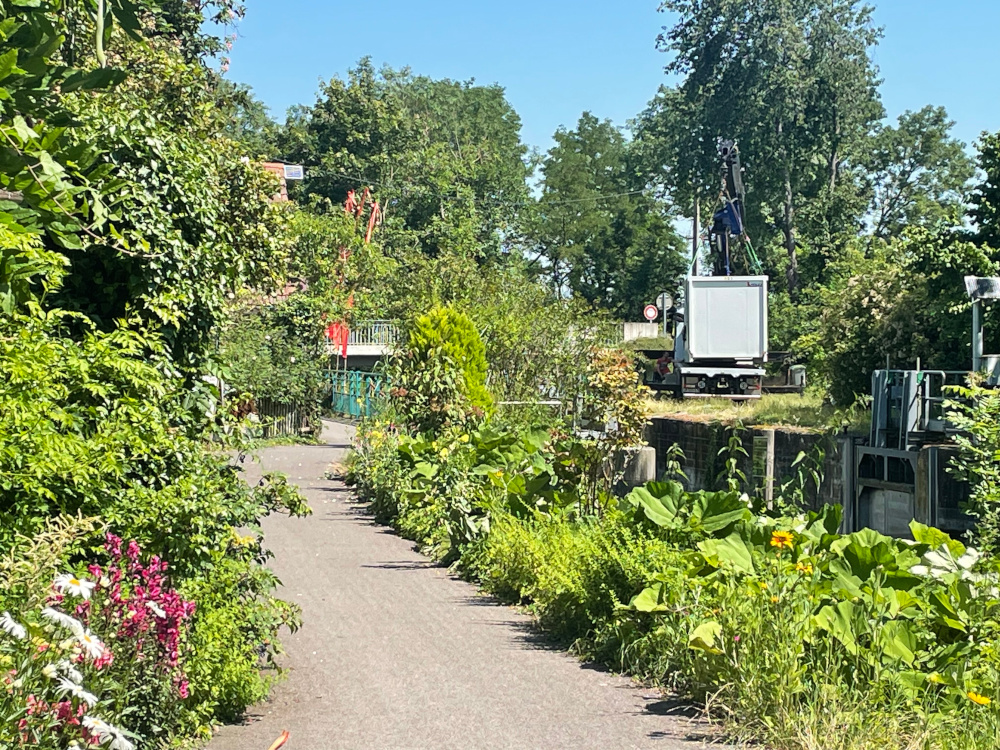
62, 683
142, 612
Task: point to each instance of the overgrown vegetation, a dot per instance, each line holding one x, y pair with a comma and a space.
136, 606
782, 627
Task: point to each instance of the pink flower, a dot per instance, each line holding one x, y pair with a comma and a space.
133, 551
113, 545
182, 689
104, 660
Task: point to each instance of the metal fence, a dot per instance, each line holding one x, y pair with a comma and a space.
354, 393
374, 333
280, 419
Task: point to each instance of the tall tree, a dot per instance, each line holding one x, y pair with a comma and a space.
444, 157
985, 211
918, 173
596, 232
247, 120
791, 81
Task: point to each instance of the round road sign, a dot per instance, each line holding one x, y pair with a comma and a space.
651, 313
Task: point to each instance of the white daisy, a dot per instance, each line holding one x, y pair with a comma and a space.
101, 728
77, 691
91, 644
10, 626
156, 609
107, 734
69, 583
70, 671
61, 618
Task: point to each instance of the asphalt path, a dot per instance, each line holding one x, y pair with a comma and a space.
397, 653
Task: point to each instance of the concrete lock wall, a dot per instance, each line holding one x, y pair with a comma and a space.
769, 461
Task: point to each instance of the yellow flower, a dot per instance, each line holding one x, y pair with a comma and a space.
782, 539
464, 438
804, 568
763, 585
982, 700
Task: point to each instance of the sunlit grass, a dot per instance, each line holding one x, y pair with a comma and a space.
807, 411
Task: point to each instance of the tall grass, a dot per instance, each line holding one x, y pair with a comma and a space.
808, 411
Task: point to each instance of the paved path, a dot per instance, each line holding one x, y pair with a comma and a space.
396, 653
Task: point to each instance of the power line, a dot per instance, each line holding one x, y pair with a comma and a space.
478, 201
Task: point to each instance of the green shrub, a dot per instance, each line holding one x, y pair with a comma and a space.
444, 332
93, 427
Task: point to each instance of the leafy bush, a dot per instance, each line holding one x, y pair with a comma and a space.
443, 333
896, 302
974, 412
276, 351
575, 573
98, 427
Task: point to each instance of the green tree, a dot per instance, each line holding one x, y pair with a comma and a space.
918, 172
596, 232
446, 332
895, 302
444, 157
248, 120
793, 83
985, 200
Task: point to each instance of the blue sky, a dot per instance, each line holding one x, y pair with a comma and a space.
557, 58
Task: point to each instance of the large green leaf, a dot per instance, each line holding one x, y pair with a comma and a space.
650, 599
731, 550
660, 501
705, 637
715, 511
899, 641
838, 621
935, 538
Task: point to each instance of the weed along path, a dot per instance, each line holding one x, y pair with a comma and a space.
396, 653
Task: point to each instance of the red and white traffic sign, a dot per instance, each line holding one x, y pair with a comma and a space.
651, 313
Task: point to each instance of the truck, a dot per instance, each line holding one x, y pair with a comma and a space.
720, 336
720, 340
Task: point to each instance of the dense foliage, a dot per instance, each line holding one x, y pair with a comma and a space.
132, 220
595, 230
781, 626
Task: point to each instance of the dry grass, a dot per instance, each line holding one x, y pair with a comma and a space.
806, 412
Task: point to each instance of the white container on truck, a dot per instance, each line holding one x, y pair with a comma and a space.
720, 341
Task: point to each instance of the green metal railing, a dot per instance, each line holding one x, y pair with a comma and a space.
354, 393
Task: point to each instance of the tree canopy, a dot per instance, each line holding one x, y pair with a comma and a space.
597, 232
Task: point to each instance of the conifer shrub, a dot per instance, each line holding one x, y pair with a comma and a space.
439, 377
444, 331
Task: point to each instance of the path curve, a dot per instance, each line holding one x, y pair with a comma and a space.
395, 653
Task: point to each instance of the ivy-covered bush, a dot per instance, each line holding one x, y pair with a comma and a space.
136, 221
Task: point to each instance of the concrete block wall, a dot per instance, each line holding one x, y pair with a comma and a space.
703, 464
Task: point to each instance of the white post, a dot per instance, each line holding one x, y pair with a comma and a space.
977, 337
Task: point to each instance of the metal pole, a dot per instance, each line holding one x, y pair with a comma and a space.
977, 337
695, 230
